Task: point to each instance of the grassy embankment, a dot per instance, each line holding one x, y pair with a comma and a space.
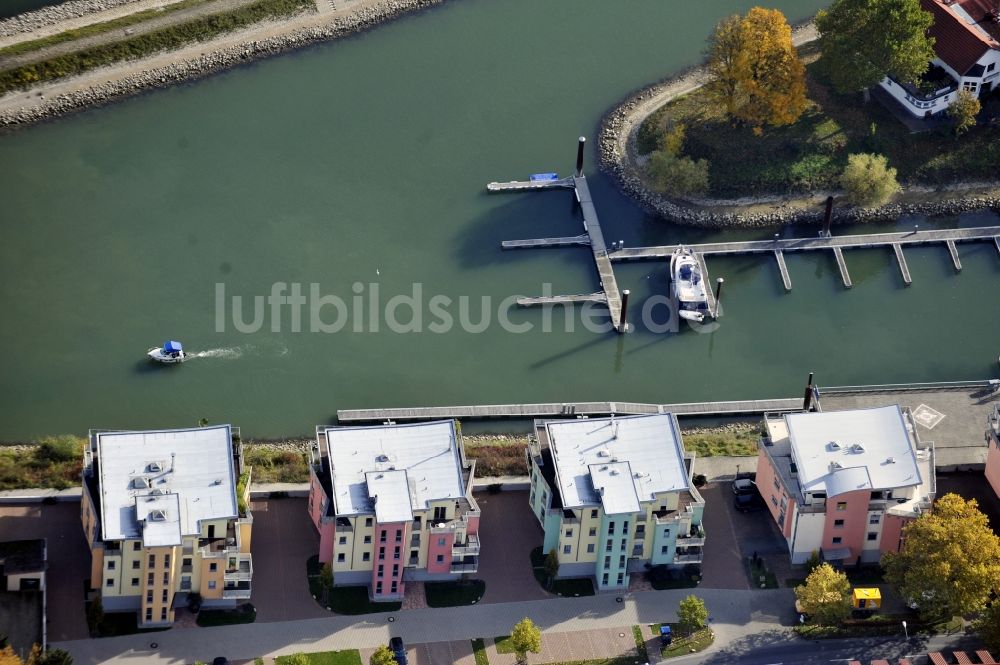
56, 463
96, 28
810, 154
198, 30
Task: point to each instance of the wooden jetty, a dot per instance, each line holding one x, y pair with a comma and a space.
901, 260
592, 237
536, 243
562, 300
954, 255
786, 279
569, 409
842, 265
836, 244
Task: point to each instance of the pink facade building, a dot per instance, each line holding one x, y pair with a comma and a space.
844, 483
392, 504
993, 449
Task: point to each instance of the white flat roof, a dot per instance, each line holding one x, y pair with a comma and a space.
391, 493
427, 452
645, 451
843, 451
159, 485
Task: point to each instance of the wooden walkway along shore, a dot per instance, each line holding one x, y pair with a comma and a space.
569, 409
562, 300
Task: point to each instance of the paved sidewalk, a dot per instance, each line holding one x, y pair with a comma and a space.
734, 615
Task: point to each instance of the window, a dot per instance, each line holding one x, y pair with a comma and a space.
837, 540
777, 485
166, 560
593, 532
212, 567
569, 533
394, 587
990, 67
416, 523
440, 558
211, 584
186, 562
149, 614
135, 581
625, 527
381, 554
166, 578
149, 596
136, 546
152, 561
664, 548
607, 562
399, 536
342, 541
567, 549
872, 536
609, 546
149, 580
378, 588
590, 548
381, 570
624, 543
110, 582
774, 501
621, 579
340, 557
368, 540
368, 521
111, 564
593, 514
440, 542
395, 552
136, 564
164, 598
971, 86
381, 536
640, 530
611, 527
366, 556
838, 523
604, 580
395, 570
163, 614
621, 561
841, 505
874, 518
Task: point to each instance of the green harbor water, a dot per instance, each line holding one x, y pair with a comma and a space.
10, 8
364, 161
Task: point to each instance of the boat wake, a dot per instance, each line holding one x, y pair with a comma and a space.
228, 353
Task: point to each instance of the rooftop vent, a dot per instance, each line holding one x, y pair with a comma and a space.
604, 452
833, 445
614, 472
836, 465
157, 492
857, 448
140, 483
154, 467
890, 460
157, 516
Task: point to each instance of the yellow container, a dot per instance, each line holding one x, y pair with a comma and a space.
866, 599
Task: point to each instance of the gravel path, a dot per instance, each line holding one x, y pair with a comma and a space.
151, 25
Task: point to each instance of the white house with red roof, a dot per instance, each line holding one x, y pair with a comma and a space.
967, 43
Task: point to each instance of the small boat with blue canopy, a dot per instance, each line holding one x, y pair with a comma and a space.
170, 352
544, 177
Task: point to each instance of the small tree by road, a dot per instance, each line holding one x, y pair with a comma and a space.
525, 638
382, 656
551, 567
692, 615
825, 596
326, 580
987, 626
869, 180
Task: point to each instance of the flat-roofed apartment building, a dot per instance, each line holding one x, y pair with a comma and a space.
392, 504
993, 449
615, 494
163, 520
844, 483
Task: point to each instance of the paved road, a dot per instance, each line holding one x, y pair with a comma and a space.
789, 650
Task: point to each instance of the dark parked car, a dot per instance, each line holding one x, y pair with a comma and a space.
744, 486
398, 650
748, 503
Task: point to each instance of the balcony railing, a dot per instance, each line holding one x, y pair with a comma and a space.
687, 558
239, 590
691, 541
465, 567
469, 548
243, 570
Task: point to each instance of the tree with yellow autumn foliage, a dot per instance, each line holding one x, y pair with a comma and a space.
757, 75
950, 560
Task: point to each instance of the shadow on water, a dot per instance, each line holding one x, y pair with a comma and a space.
147, 366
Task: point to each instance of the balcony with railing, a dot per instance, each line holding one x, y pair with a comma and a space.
691, 541
239, 568
688, 556
468, 564
238, 590
463, 511
467, 548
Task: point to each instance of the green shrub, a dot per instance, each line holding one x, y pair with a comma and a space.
60, 449
869, 180
677, 176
